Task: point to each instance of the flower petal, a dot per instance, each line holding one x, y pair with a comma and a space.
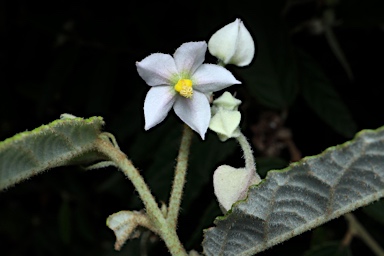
245, 49
212, 78
157, 69
189, 56
231, 184
195, 112
158, 102
222, 44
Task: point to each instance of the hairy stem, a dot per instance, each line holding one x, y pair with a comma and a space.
166, 231
179, 179
248, 153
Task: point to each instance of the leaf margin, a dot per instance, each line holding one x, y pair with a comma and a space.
235, 211
95, 123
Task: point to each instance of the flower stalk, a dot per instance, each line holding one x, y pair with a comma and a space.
179, 178
231, 184
248, 153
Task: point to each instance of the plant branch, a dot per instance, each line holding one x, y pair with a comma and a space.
179, 179
166, 231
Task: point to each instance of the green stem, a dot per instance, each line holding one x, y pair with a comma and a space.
359, 230
179, 179
248, 153
166, 231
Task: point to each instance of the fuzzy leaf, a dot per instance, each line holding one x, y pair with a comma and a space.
303, 196
62, 142
124, 225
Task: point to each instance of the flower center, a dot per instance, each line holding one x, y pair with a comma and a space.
184, 88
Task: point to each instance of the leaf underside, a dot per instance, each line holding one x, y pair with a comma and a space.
303, 196
62, 142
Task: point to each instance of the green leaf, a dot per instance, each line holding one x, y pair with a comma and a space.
62, 142
320, 95
305, 195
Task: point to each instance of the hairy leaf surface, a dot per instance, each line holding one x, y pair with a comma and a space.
303, 196
62, 142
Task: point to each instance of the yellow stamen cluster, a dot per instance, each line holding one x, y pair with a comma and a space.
184, 88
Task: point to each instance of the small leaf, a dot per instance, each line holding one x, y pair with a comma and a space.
124, 224
303, 196
59, 143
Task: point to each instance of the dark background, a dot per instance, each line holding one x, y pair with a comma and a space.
79, 57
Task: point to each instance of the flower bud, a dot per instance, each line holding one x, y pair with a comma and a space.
227, 101
233, 44
226, 124
226, 118
231, 184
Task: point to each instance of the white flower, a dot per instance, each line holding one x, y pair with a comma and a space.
233, 44
184, 83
